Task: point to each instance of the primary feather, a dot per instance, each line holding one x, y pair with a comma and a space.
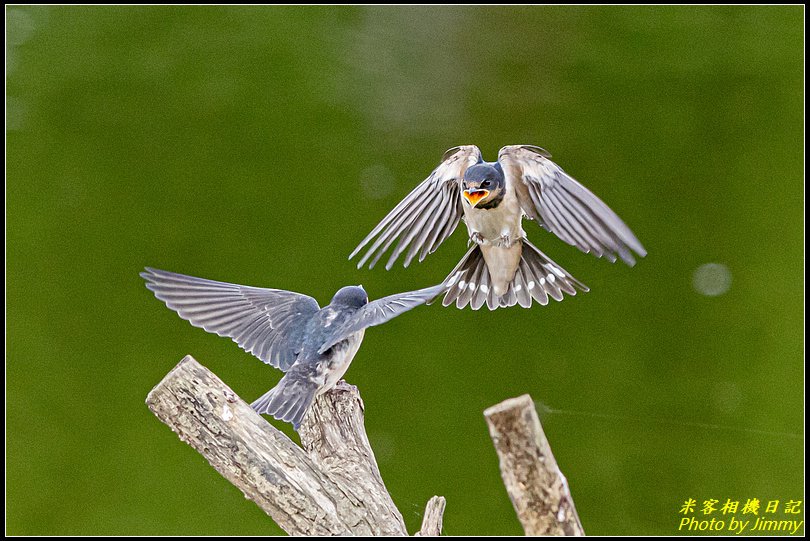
269, 323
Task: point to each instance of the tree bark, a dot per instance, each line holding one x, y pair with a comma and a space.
333, 435
432, 520
331, 485
305, 494
536, 486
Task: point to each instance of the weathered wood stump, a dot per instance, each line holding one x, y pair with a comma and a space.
331, 484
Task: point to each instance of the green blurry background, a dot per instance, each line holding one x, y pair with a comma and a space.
259, 145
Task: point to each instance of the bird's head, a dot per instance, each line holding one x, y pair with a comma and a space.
352, 296
484, 185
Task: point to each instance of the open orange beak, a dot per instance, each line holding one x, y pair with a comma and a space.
475, 196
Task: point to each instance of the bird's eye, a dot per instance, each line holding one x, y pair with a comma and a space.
486, 184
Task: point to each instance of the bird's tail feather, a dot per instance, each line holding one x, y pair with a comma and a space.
537, 277
288, 401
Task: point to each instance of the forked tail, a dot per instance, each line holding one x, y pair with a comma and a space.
537, 277
288, 401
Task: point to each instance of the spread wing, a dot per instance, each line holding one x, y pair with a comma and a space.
427, 215
269, 323
380, 311
565, 207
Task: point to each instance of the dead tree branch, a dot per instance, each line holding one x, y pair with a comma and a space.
332, 488
331, 485
537, 487
432, 521
334, 436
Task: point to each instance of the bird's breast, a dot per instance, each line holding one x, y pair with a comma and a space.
492, 224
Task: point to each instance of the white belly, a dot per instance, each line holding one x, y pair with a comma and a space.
504, 220
342, 355
502, 264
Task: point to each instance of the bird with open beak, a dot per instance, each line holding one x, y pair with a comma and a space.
502, 268
287, 330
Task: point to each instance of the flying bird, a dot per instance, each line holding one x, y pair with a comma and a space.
287, 330
502, 268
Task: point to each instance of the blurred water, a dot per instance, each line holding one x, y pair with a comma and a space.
258, 145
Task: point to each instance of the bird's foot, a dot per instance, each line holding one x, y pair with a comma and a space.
477, 238
343, 385
504, 241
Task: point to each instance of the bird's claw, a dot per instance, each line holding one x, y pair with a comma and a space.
477, 238
504, 241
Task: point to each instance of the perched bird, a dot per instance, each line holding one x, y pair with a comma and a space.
287, 330
502, 268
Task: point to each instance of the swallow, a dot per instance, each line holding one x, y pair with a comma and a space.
502, 268
314, 346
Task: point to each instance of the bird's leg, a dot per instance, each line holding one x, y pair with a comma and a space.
504, 241
477, 238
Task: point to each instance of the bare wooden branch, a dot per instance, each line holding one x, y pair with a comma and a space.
333, 435
332, 486
432, 521
267, 466
536, 486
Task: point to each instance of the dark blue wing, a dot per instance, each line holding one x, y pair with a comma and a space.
269, 323
378, 312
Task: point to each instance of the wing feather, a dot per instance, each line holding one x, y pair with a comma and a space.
426, 224
589, 227
426, 216
268, 323
437, 236
565, 207
570, 223
391, 232
378, 312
